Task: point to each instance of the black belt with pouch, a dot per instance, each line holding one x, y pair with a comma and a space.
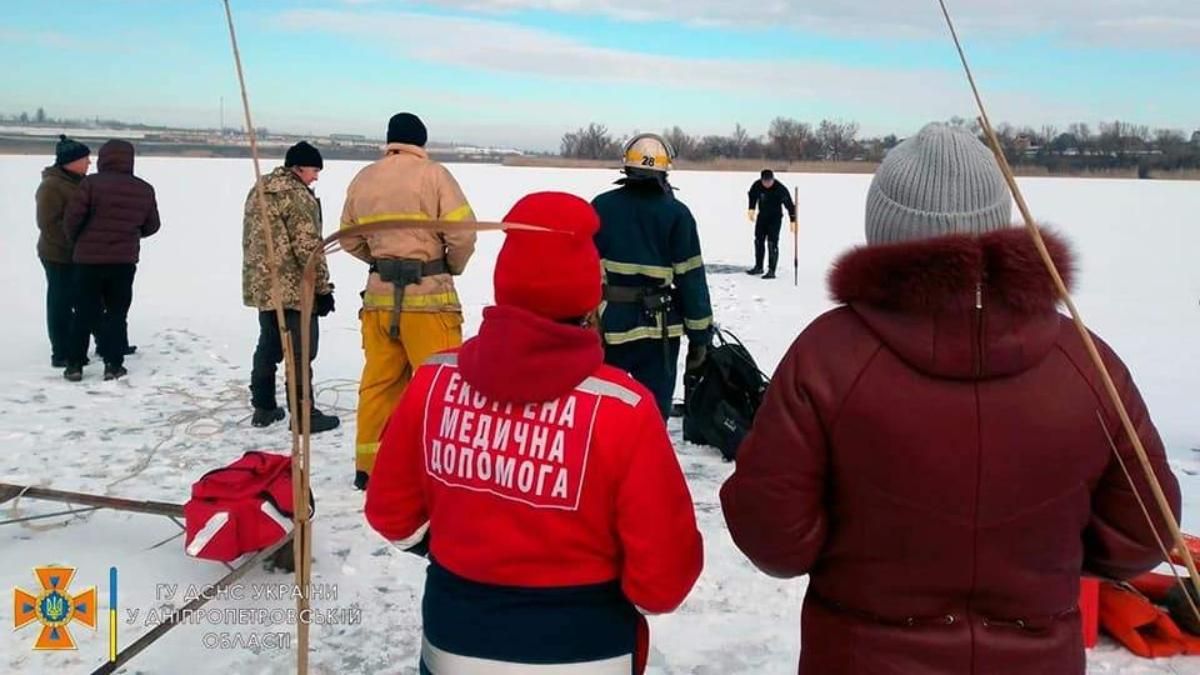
655, 301
401, 273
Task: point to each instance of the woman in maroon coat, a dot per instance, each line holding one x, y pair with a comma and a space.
931, 453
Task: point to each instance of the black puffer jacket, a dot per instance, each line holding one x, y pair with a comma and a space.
112, 211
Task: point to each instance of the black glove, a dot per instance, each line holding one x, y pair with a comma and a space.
324, 304
696, 354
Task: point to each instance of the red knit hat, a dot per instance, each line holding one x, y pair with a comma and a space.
553, 274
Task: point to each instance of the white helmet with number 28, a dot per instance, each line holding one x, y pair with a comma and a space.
648, 152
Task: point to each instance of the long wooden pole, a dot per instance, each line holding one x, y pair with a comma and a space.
8, 491
299, 490
1089, 343
1146, 513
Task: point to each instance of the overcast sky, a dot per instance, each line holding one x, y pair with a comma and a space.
521, 72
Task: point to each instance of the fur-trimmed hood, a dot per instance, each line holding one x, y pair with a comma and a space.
961, 306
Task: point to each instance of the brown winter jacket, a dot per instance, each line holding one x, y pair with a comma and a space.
113, 210
53, 195
932, 455
406, 185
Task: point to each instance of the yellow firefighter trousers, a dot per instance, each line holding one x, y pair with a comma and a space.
390, 365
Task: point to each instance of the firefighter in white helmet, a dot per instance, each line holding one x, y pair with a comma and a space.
655, 290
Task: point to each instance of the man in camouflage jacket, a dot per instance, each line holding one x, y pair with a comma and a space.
293, 219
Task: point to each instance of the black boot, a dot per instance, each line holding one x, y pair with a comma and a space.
283, 560
73, 373
265, 417
360, 480
773, 258
760, 246
113, 371
319, 422
130, 350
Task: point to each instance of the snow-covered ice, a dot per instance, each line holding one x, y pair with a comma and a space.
184, 407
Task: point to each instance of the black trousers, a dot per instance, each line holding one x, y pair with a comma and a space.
645, 361
766, 236
103, 294
60, 307
269, 354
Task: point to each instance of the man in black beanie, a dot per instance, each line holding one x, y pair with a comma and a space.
59, 184
293, 221
410, 309
302, 155
407, 128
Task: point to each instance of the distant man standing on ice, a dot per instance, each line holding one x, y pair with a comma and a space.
293, 221
768, 197
410, 307
59, 184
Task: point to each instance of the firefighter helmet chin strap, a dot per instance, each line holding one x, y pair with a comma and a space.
657, 179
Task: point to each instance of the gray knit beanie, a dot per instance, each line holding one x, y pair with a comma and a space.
941, 181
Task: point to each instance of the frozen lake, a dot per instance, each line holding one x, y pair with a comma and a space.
184, 408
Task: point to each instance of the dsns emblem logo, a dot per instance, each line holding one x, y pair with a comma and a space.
54, 607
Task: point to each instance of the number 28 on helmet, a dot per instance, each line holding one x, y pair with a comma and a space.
648, 152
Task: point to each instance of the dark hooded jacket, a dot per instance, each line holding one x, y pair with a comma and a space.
112, 211
934, 454
53, 195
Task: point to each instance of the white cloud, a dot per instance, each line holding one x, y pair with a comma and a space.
751, 91
508, 48
1137, 23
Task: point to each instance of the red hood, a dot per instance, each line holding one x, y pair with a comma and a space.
961, 306
520, 357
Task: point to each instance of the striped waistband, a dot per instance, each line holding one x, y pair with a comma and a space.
587, 624
441, 662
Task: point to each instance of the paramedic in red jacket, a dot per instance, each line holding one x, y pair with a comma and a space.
541, 481
931, 453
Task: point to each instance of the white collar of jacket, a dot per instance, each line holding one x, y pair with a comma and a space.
405, 148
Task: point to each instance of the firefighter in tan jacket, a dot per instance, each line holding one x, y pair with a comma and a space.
410, 308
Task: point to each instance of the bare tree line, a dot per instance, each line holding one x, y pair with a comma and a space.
1111, 145
787, 139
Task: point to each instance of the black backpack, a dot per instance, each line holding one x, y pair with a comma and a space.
722, 396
